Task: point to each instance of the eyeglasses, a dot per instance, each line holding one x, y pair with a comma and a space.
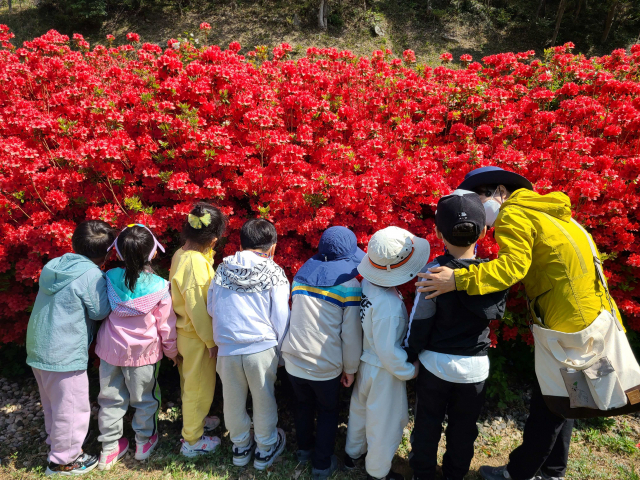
156, 243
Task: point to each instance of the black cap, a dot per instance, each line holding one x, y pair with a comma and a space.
460, 217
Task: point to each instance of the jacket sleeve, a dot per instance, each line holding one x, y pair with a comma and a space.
392, 356
515, 235
351, 339
166, 324
195, 304
420, 325
279, 315
95, 297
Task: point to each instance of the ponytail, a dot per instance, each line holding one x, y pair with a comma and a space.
135, 244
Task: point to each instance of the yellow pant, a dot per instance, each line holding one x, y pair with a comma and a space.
197, 383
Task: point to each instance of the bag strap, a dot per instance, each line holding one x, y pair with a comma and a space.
599, 272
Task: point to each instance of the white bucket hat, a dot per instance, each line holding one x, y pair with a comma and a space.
394, 257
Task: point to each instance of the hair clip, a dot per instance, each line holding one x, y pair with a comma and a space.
198, 222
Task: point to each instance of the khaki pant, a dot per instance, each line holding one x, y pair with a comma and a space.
197, 383
378, 413
239, 375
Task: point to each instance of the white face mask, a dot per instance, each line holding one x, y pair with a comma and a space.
491, 210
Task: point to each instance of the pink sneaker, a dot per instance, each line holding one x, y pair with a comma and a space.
109, 459
143, 450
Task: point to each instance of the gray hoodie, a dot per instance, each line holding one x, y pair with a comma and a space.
72, 295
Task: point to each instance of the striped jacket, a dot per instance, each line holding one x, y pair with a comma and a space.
325, 333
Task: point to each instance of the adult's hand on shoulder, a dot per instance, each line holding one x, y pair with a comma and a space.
437, 280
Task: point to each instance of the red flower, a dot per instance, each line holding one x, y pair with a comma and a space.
133, 37
205, 26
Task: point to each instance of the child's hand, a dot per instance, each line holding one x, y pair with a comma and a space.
175, 360
347, 379
213, 352
417, 365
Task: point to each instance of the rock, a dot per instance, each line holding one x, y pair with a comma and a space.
378, 30
296, 21
450, 38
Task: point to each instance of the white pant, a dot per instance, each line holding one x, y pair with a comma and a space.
255, 373
378, 413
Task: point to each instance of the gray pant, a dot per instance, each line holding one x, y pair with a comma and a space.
256, 373
121, 387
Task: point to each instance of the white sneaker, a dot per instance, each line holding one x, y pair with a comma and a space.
201, 447
242, 455
263, 460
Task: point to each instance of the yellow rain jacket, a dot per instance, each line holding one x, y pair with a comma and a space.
543, 248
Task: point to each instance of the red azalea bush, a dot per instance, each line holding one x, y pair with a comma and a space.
136, 133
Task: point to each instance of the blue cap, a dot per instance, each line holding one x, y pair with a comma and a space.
336, 262
493, 176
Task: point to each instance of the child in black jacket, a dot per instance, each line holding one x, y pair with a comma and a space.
450, 336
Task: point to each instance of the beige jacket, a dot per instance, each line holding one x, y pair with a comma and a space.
325, 334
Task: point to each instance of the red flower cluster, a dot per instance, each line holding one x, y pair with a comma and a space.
137, 133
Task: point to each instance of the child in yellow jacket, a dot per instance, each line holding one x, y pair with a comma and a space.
191, 274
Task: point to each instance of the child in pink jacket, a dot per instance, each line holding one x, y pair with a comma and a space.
130, 344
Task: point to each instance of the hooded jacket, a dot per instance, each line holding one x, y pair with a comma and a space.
141, 325
543, 248
248, 301
384, 326
190, 276
72, 295
454, 323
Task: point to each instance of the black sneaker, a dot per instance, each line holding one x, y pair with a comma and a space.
263, 460
81, 465
354, 463
242, 456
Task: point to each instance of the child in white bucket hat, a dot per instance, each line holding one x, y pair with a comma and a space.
379, 408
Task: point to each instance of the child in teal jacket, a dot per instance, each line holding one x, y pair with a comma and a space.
72, 296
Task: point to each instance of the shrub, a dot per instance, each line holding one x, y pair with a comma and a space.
138, 133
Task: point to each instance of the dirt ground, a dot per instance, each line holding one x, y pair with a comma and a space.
600, 450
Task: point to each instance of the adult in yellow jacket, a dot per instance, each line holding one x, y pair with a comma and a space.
190, 276
542, 248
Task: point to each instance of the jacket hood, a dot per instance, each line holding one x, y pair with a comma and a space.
248, 272
556, 204
149, 290
61, 271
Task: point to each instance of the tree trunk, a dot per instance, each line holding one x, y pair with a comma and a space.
578, 9
541, 8
322, 14
10, 5
609, 21
563, 4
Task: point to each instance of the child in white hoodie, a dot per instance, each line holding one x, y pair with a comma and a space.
248, 302
379, 407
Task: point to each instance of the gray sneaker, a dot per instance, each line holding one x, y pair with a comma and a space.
327, 472
494, 473
304, 456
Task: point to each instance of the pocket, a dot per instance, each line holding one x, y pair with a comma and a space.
577, 388
604, 385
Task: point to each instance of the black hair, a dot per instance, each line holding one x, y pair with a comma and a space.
92, 238
258, 234
135, 244
204, 235
487, 190
463, 235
